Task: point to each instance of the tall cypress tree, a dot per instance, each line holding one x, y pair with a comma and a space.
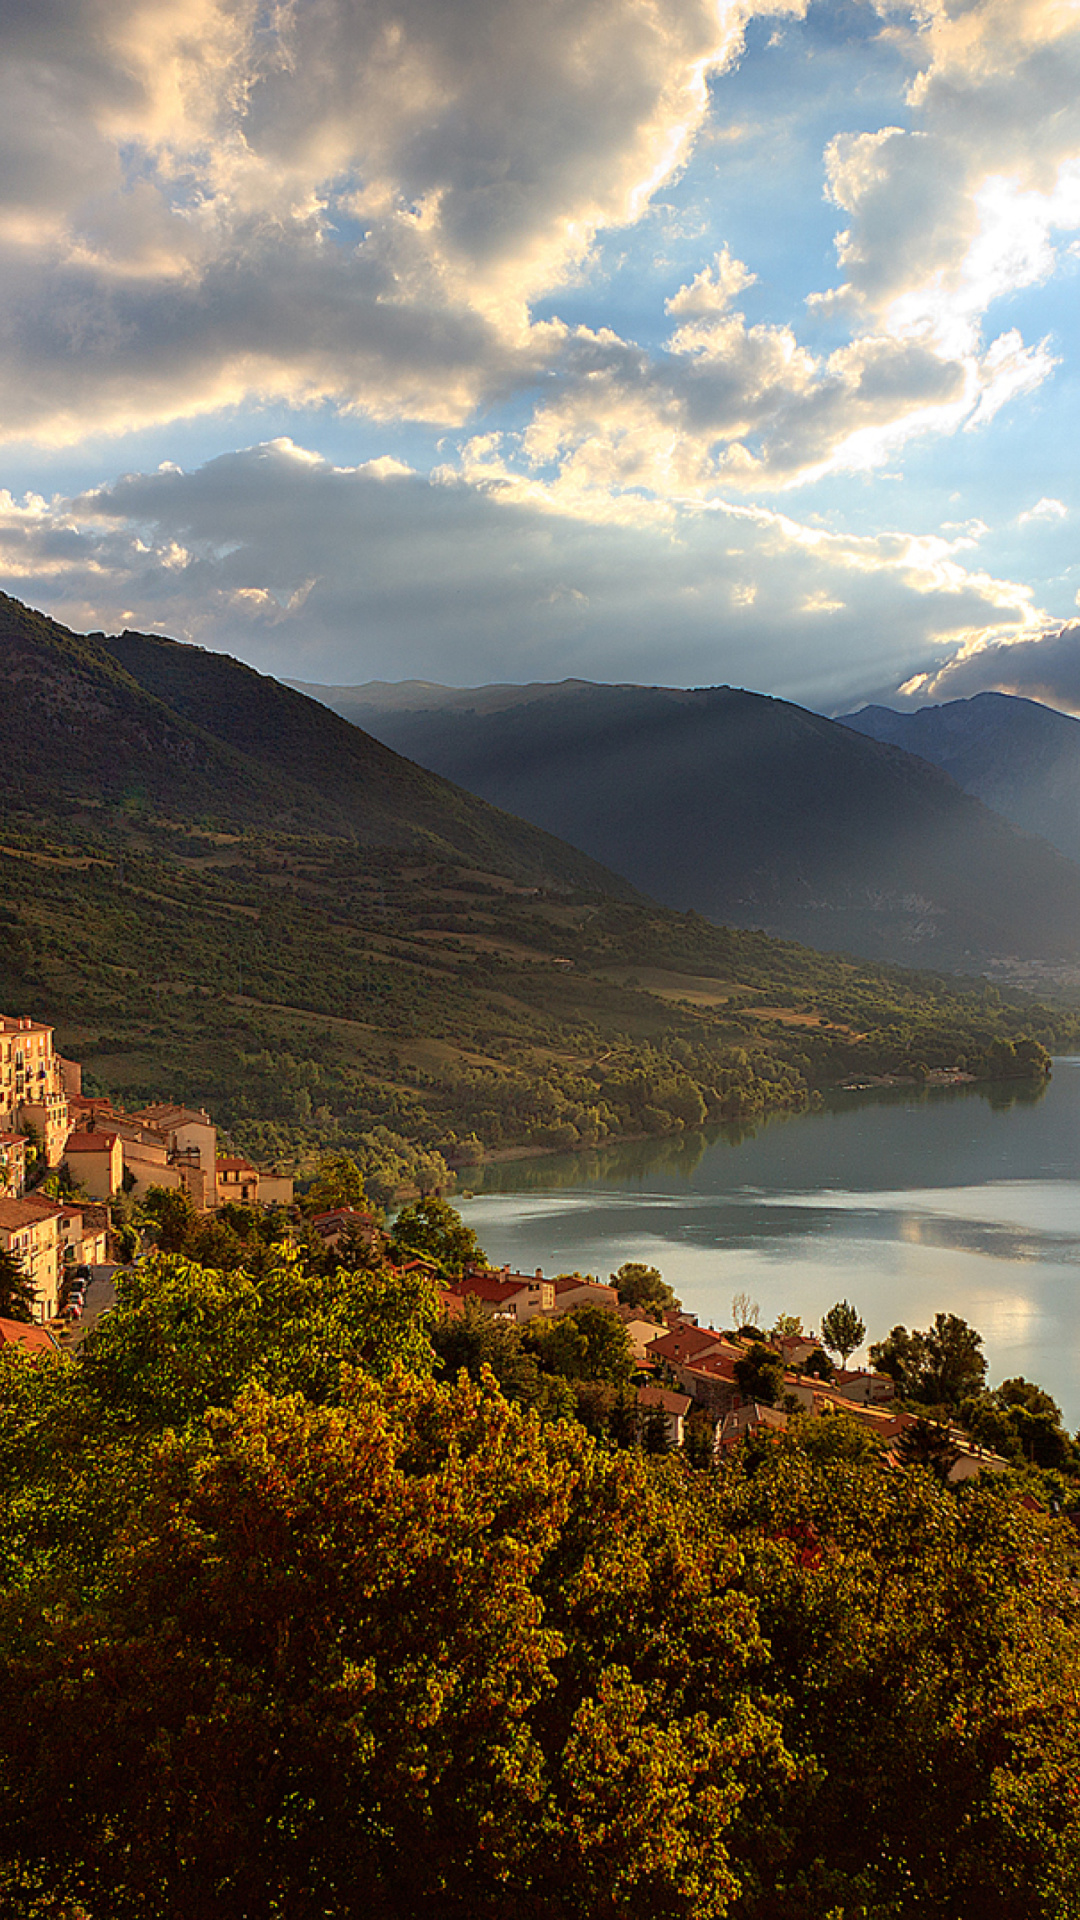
17, 1291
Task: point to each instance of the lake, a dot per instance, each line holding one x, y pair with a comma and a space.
904, 1202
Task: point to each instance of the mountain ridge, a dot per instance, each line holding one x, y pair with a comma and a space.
754, 811
141, 722
1018, 756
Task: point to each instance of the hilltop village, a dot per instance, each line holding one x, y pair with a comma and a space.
49, 1127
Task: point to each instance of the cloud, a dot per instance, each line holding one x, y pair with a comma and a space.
730, 407
963, 206
1044, 667
224, 200
352, 573
713, 289
1044, 509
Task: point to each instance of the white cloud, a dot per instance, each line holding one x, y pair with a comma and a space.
713, 289
348, 574
1044, 509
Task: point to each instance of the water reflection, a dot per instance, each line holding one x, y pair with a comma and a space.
906, 1202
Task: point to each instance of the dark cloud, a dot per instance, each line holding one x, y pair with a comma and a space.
1046, 669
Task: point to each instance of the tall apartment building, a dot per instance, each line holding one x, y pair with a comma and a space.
32, 1084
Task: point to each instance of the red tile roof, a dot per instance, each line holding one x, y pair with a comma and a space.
27, 1212
683, 1343
90, 1142
16, 1333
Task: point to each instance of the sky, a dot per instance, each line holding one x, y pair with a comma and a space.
687, 342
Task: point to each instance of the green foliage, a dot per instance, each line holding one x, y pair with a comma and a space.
475, 1341
433, 1230
17, 1291
437, 1654
588, 1344
644, 1287
760, 1374
170, 1215
942, 1367
842, 1330
338, 1183
1020, 1421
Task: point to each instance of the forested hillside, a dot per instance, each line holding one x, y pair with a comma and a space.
293, 1627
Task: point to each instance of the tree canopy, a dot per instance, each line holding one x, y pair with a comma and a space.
433, 1230
940, 1367
842, 1330
644, 1287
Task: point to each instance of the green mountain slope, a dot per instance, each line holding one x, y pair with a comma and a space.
146, 723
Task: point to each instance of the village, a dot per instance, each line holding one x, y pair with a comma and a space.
64, 1241
49, 1127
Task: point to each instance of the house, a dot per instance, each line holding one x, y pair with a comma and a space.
640, 1331
275, 1189
31, 1084
29, 1229
741, 1422
711, 1382
573, 1290
95, 1162
795, 1349
674, 1406
686, 1344
83, 1231
509, 1296
190, 1138
867, 1388
237, 1180
339, 1222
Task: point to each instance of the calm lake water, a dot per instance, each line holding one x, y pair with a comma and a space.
905, 1203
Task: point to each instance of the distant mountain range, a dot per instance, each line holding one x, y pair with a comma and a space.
142, 723
1022, 758
750, 810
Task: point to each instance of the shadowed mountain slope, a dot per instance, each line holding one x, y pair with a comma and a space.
1021, 758
147, 724
750, 810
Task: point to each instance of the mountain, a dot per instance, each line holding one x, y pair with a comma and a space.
751, 811
222, 893
1021, 758
149, 725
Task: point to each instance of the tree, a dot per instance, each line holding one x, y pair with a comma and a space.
338, 1183
760, 1374
786, 1326
588, 1344
17, 1291
940, 1367
170, 1215
842, 1330
434, 1230
928, 1443
655, 1438
474, 1340
744, 1311
644, 1287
